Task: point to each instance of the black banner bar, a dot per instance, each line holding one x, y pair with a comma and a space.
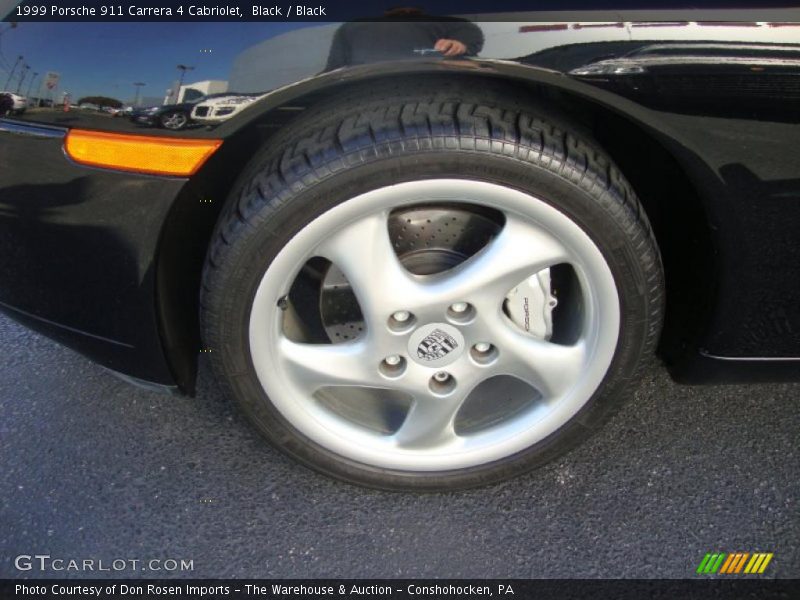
347, 10
405, 589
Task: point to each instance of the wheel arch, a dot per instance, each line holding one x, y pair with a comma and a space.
644, 148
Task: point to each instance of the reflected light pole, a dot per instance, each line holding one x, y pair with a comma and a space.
182, 69
138, 85
30, 85
22, 75
11, 74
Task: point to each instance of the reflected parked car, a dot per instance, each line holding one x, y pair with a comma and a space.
221, 107
168, 116
126, 111
20, 103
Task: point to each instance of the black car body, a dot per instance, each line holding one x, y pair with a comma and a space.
705, 125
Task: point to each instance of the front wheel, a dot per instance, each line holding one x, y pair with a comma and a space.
431, 291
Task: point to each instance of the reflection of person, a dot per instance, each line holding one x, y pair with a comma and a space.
402, 33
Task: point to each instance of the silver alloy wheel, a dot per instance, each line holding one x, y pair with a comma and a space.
354, 236
175, 120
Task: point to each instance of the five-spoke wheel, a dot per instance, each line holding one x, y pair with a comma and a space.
409, 391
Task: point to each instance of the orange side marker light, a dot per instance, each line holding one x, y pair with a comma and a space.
139, 153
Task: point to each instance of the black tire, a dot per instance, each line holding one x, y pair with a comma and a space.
174, 120
401, 132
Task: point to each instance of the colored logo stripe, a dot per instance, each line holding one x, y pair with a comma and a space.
758, 563
734, 563
711, 563
727, 565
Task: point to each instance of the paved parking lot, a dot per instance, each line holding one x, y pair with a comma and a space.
93, 468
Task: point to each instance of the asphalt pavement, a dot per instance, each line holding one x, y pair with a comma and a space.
95, 469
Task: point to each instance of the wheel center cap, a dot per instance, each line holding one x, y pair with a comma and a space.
435, 344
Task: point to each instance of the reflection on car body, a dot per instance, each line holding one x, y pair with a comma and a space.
167, 116
17, 104
221, 107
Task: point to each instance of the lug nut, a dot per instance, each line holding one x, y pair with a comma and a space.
460, 312
401, 321
393, 366
442, 383
459, 307
483, 353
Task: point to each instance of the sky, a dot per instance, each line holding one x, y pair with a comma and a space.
115, 55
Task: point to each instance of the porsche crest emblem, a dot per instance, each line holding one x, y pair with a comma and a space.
437, 344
